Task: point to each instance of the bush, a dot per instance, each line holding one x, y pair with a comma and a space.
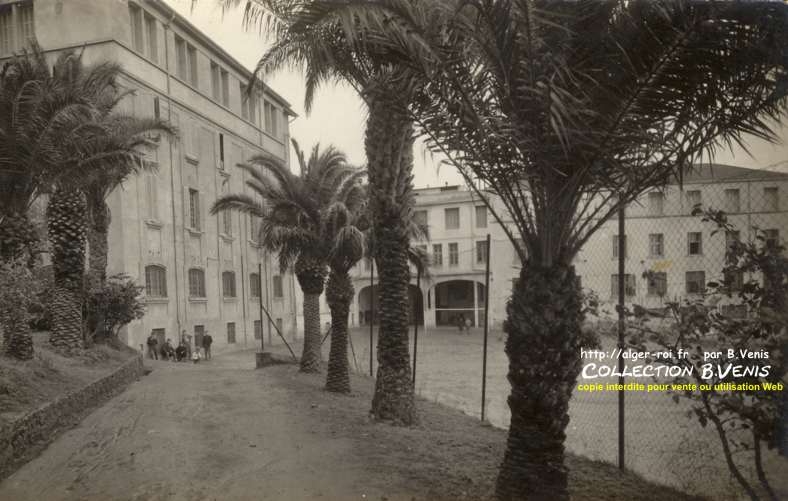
113, 305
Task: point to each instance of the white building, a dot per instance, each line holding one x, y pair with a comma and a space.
201, 273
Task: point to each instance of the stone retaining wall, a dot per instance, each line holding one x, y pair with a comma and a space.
23, 438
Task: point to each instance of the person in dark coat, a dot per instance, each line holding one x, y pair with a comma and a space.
152, 345
207, 341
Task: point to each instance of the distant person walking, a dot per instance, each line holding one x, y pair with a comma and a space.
207, 340
461, 322
186, 341
152, 344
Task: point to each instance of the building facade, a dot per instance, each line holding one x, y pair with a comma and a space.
201, 273
670, 254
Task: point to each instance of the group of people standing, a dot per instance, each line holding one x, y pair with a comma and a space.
184, 350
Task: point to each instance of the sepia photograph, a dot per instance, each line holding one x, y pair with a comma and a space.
393, 250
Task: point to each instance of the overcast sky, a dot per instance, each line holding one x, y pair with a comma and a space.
338, 115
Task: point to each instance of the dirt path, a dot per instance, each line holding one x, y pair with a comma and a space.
217, 430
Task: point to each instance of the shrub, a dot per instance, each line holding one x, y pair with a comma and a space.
15, 297
114, 304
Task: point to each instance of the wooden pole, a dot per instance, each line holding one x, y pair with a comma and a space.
622, 249
416, 327
260, 293
486, 323
371, 309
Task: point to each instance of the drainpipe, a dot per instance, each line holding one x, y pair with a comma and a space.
172, 176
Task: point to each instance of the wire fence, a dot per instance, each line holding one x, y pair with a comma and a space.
670, 256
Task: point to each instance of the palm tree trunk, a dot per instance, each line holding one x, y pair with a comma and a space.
66, 228
311, 276
339, 294
97, 240
543, 323
389, 147
18, 238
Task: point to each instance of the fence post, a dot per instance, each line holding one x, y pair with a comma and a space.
486, 323
622, 249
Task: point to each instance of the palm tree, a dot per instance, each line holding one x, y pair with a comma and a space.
311, 35
343, 229
291, 210
568, 111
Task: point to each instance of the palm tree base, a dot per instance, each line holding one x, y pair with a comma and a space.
20, 345
393, 399
543, 343
66, 310
339, 294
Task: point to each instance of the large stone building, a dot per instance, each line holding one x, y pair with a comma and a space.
662, 237
201, 273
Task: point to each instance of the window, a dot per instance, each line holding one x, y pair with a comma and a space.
481, 216
279, 325
657, 283
254, 228
254, 285
656, 203
696, 282
771, 198
230, 332
156, 107
228, 283
196, 283
152, 195
694, 243
253, 108
16, 26
732, 201
615, 246
733, 280
437, 254
185, 61
772, 238
274, 121
153, 43
452, 218
192, 65
279, 292
420, 217
258, 329
194, 209
135, 13
693, 199
656, 245
629, 285
481, 251
227, 223
267, 116
155, 281
454, 254
181, 63
270, 114
731, 237
221, 151
216, 82
245, 99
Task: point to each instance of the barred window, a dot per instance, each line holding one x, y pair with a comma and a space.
481, 216
696, 282
657, 283
452, 218
155, 281
16, 26
454, 254
230, 332
656, 245
694, 243
481, 251
196, 282
278, 287
258, 329
772, 237
437, 254
194, 209
254, 285
228, 284
771, 198
629, 285
615, 246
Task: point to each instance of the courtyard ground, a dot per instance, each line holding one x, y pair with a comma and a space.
223, 430
662, 444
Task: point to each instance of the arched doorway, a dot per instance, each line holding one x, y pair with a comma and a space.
367, 315
458, 300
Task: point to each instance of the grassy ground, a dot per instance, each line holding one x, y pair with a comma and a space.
24, 386
449, 455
